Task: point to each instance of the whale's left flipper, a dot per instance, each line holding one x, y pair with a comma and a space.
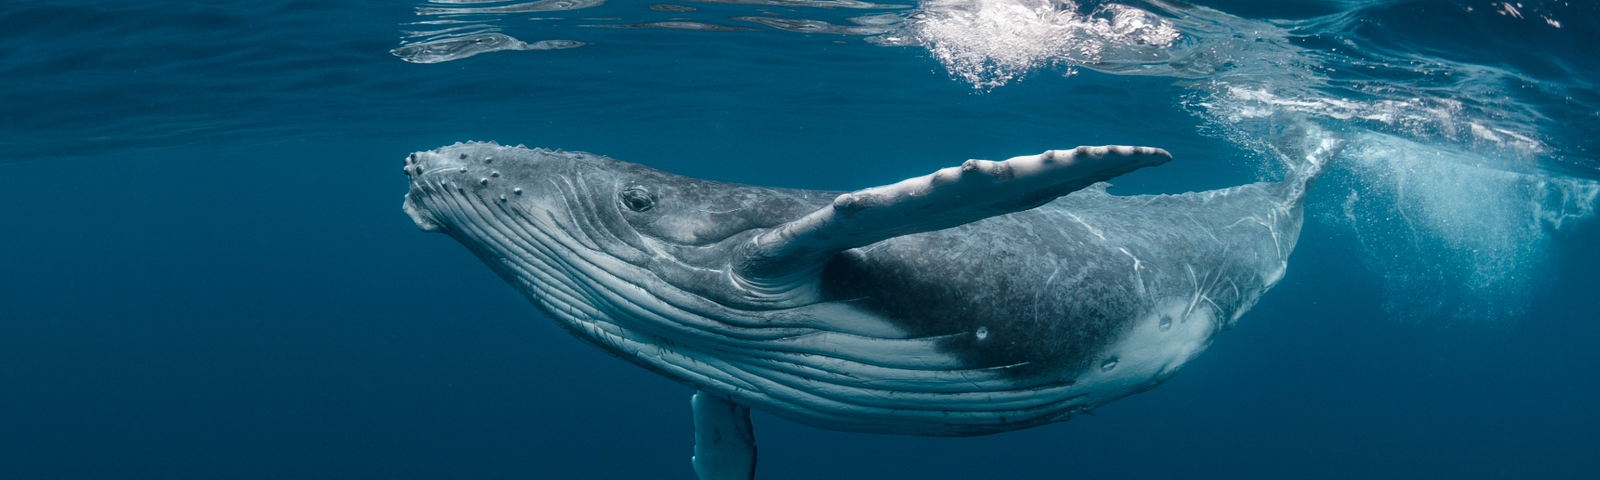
725, 445
950, 197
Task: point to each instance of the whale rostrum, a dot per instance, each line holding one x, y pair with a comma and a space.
982, 298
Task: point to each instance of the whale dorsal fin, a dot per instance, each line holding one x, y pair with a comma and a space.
950, 197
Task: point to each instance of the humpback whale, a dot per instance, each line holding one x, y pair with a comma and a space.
982, 298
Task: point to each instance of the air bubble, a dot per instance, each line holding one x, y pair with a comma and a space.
982, 333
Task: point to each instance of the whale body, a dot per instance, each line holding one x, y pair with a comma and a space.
979, 299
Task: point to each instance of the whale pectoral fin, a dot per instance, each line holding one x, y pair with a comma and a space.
725, 445
950, 197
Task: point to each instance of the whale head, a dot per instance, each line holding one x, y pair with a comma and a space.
669, 208
575, 227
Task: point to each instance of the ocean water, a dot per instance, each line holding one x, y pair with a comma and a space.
205, 271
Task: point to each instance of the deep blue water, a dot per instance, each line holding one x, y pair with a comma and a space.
205, 272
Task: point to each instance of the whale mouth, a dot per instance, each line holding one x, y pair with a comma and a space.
419, 216
419, 167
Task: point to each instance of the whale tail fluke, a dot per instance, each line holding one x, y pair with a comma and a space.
1305, 149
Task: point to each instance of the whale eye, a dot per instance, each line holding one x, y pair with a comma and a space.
637, 199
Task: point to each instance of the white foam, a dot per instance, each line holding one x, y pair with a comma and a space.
1450, 237
989, 43
1449, 209
1412, 116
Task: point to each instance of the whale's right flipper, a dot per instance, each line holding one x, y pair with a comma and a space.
950, 197
725, 444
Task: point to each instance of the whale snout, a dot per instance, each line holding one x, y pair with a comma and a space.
413, 208
441, 164
441, 171
478, 173
443, 161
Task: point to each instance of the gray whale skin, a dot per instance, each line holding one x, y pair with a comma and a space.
979, 299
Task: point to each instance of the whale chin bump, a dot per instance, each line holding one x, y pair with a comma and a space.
420, 217
981, 298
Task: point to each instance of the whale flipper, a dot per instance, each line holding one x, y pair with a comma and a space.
950, 197
725, 444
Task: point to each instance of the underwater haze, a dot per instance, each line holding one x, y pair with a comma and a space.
205, 271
